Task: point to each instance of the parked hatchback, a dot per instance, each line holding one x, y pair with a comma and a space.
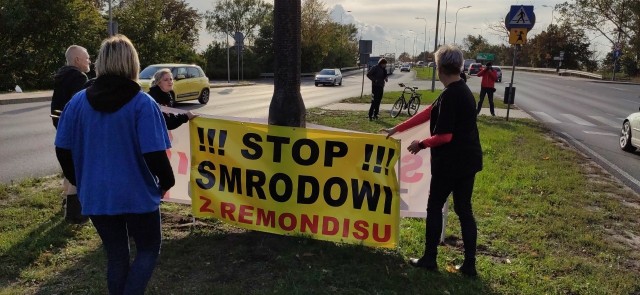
329, 77
190, 82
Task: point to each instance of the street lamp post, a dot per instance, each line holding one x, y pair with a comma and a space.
425, 37
413, 52
444, 34
455, 28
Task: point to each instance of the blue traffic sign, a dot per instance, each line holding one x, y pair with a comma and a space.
617, 53
520, 16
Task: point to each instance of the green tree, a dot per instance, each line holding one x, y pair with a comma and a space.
617, 20
556, 38
162, 30
263, 45
34, 39
230, 16
287, 107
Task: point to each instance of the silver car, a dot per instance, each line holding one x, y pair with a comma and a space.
630, 133
329, 77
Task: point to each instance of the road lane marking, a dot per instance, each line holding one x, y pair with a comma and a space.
604, 161
600, 133
544, 117
578, 120
620, 89
607, 121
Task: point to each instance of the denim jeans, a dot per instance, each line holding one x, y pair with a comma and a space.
124, 277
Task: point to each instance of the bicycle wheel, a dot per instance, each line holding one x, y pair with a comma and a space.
413, 105
397, 107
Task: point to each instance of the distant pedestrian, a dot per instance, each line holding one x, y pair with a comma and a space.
111, 142
378, 76
161, 91
69, 79
456, 157
487, 86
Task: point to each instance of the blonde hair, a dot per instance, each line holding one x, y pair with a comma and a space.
158, 75
118, 57
72, 52
449, 59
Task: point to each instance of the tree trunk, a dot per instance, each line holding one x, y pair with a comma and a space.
287, 107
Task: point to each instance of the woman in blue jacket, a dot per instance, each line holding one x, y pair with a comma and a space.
111, 143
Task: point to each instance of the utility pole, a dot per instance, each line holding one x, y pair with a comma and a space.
435, 47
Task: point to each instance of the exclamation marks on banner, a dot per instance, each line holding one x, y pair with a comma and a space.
380, 155
211, 139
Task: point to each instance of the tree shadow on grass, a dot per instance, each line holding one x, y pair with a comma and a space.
218, 259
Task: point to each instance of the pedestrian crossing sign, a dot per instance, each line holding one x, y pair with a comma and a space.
518, 36
520, 16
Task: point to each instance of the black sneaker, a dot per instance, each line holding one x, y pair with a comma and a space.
467, 270
422, 263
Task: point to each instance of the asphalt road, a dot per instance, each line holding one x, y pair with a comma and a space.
587, 114
27, 135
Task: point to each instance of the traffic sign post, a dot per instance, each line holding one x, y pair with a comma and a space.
518, 21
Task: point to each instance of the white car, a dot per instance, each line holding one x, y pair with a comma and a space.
630, 133
329, 77
405, 68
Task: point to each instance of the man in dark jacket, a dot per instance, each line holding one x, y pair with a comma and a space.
378, 76
69, 79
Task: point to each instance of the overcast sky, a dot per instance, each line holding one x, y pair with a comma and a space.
393, 27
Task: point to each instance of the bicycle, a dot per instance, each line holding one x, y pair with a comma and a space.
411, 106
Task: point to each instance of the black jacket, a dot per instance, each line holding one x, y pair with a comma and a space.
377, 74
66, 82
108, 94
164, 99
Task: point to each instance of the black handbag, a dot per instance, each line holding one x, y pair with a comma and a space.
73, 210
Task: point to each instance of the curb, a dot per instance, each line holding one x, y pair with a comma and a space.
616, 82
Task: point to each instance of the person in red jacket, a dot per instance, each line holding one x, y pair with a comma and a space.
487, 86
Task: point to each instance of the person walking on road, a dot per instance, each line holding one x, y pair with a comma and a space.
378, 76
456, 157
111, 143
69, 79
160, 91
487, 86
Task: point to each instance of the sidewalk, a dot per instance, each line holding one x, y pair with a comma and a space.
387, 107
45, 95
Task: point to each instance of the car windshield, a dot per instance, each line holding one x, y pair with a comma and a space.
327, 72
148, 72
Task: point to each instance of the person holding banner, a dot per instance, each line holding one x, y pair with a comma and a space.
161, 92
111, 143
456, 157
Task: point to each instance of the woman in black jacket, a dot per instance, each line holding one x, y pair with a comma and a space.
161, 92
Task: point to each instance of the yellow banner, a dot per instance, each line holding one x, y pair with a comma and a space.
329, 185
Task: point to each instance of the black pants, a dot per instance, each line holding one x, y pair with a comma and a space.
376, 92
440, 188
489, 92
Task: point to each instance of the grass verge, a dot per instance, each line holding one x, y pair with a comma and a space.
550, 222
